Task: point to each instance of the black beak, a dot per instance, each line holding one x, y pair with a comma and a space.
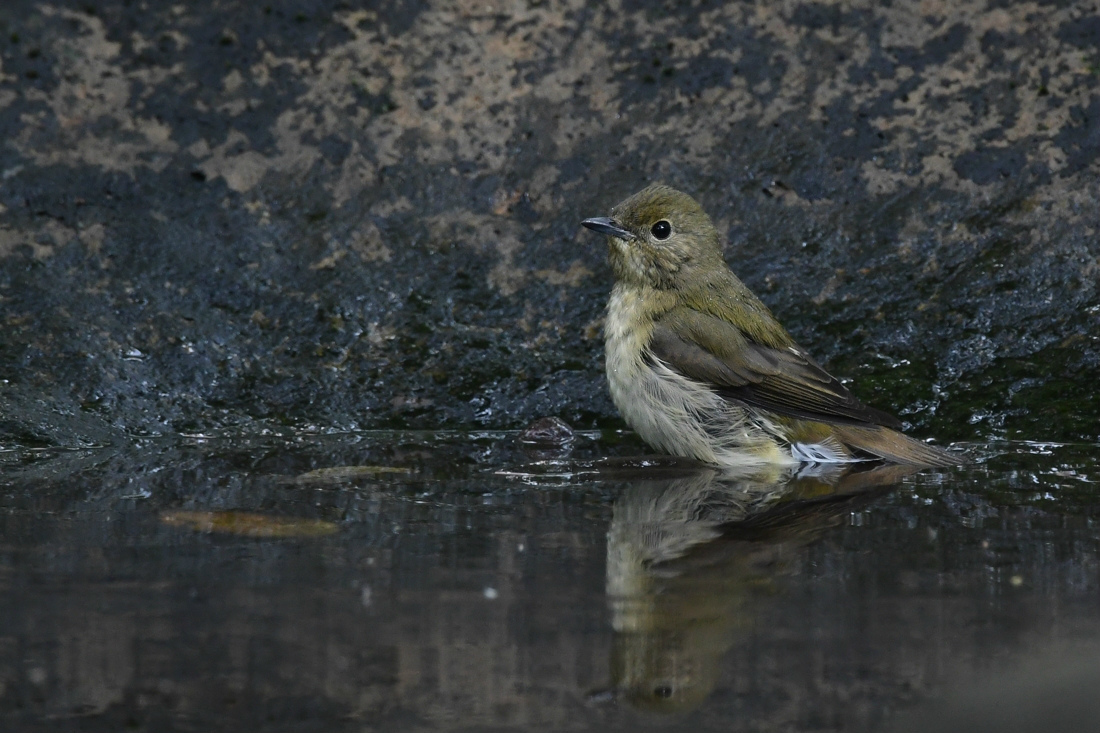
604, 225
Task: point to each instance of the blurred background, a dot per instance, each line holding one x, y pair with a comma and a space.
337, 215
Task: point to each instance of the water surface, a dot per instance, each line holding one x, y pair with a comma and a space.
443, 581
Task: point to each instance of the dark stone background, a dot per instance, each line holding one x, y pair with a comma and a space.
245, 216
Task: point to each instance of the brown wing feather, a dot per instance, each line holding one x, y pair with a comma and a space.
785, 381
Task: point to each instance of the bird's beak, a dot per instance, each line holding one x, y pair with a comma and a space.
608, 226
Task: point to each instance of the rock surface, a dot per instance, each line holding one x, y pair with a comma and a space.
316, 216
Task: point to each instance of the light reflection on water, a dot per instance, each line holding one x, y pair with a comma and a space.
446, 581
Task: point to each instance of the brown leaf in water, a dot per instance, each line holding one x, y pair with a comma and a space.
338, 474
245, 524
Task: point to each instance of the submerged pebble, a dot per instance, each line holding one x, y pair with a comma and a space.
548, 432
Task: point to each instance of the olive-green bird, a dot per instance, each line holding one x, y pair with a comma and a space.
700, 368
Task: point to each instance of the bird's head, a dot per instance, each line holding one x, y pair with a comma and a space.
659, 237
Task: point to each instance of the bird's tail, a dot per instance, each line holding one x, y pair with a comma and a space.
892, 446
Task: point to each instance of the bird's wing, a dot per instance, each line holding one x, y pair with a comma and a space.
783, 380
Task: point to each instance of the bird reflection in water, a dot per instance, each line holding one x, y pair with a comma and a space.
686, 556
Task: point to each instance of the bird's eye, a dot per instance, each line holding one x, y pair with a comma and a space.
661, 229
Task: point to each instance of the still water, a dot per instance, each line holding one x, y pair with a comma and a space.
443, 581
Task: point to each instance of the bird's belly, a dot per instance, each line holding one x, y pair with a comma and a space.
685, 418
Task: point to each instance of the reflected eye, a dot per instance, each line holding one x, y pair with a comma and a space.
661, 229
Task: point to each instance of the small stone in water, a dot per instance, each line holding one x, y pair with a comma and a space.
547, 431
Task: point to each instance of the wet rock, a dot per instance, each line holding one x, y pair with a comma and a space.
547, 432
547, 439
257, 217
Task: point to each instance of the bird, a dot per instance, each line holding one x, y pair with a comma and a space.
700, 368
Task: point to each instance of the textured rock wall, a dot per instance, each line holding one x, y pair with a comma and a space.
330, 214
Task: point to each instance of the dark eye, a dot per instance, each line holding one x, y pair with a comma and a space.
663, 691
661, 229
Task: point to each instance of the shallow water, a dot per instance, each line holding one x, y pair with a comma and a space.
396, 581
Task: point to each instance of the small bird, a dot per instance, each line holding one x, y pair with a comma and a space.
700, 368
